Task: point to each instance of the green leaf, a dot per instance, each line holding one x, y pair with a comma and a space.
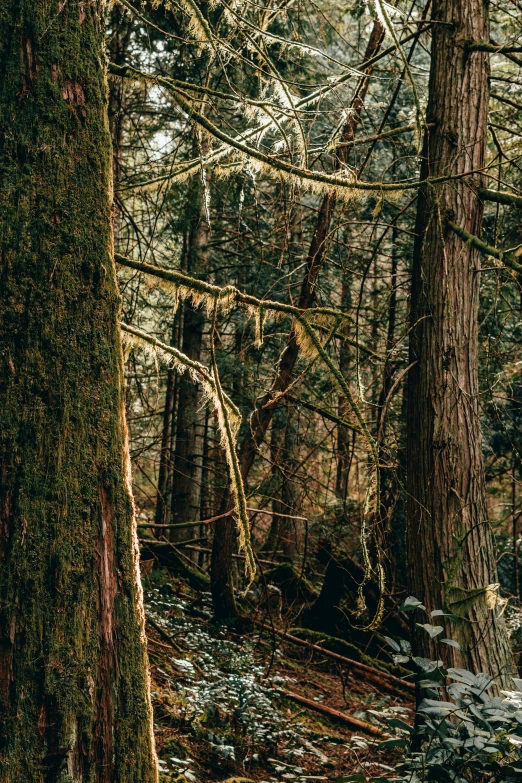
462, 675
451, 642
393, 644
426, 665
401, 659
436, 707
357, 778
430, 684
483, 681
397, 723
431, 630
410, 604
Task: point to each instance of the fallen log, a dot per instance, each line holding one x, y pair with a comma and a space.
331, 713
375, 674
169, 556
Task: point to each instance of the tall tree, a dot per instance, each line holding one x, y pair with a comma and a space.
74, 700
344, 436
451, 553
188, 454
284, 530
224, 532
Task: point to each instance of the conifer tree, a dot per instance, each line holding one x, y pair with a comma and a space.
451, 555
74, 701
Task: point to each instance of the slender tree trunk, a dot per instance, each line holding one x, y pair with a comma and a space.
450, 546
290, 531
120, 24
277, 437
387, 475
224, 534
187, 468
74, 700
162, 506
343, 433
186, 483
284, 530
514, 530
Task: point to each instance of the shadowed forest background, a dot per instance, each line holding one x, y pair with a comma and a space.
316, 226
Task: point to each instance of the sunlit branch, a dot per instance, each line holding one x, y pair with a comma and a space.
510, 199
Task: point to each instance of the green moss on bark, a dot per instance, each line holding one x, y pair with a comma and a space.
74, 701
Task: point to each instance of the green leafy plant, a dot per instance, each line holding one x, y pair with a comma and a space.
463, 734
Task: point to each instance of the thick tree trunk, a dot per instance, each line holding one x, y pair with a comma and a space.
224, 535
451, 554
74, 701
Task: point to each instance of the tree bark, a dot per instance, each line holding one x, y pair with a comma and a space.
388, 479
120, 23
224, 534
284, 530
187, 468
74, 689
167, 437
450, 546
343, 434
188, 454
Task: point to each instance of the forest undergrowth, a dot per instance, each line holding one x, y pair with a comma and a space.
220, 711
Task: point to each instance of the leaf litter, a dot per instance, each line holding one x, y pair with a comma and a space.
219, 714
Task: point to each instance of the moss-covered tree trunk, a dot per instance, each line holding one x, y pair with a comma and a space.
74, 702
450, 547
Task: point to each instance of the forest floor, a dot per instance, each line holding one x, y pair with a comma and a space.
221, 713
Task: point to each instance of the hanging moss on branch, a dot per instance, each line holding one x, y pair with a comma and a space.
202, 293
345, 184
310, 346
229, 420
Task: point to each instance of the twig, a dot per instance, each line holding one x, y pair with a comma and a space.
238, 557
163, 634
